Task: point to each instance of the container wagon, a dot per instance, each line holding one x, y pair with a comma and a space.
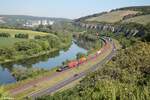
73, 64
82, 60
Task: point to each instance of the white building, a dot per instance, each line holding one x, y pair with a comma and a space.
51, 22
33, 23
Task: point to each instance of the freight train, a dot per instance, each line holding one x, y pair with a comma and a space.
76, 63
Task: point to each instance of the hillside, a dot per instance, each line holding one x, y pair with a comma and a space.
125, 77
143, 9
143, 19
112, 17
129, 20
117, 15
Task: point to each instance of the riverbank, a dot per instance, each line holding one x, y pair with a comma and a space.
35, 55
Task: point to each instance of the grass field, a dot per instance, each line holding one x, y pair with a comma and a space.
111, 17
8, 42
145, 19
31, 33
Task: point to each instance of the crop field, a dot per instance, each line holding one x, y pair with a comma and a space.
112, 17
12, 32
8, 42
145, 19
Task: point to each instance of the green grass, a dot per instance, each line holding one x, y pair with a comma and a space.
31, 33
9, 42
111, 17
145, 19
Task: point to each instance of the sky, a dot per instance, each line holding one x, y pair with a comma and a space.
64, 8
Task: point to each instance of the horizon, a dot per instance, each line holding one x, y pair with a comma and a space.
64, 8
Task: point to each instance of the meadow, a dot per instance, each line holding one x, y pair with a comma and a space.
111, 17
9, 42
12, 32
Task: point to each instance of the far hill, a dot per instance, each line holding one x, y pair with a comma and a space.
21, 19
137, 14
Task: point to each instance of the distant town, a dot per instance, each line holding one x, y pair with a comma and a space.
33, 23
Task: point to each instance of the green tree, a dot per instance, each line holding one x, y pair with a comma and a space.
80, 55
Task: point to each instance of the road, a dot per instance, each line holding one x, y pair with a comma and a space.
73, 78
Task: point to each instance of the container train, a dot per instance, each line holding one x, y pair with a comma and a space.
76, 63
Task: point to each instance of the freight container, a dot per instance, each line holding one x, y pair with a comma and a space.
72, 64
82, 60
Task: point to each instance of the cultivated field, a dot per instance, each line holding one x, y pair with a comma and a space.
145, 19
8, 42
112, 17
31, 33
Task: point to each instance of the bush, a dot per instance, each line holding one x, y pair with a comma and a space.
20, 35
54, 42
4, 35
30, 47
44, 44
24, 73
37, 37
80, 55
7, 52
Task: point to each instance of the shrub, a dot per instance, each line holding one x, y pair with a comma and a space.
54, 42
4, 35
37, 37
20, 35
80, 55
7, 52
30, 47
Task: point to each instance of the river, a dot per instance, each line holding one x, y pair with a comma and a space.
46, 61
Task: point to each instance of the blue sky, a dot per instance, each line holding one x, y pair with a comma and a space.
63, 8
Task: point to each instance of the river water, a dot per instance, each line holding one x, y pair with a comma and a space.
45, 61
